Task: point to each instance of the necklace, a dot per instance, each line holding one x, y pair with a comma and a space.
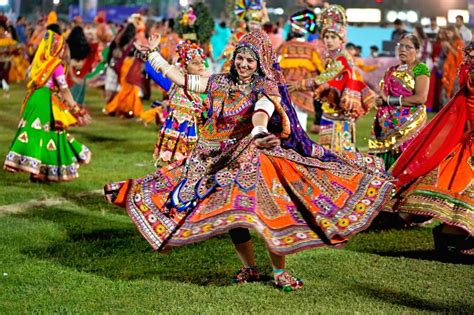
243, 84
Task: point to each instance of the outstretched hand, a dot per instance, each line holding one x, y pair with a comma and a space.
292, 86
153, 43
268, 142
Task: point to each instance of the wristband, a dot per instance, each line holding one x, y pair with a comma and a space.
392, 100
157, 61
259, 130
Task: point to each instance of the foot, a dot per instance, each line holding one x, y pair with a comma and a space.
287, 282
37, 179
315, 129
245, 275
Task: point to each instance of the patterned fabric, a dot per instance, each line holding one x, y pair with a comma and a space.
293, 201
435, 172
179, 132
394, 127
339, 135
447, 192
344, 99
41, 150
228, 182
300, 60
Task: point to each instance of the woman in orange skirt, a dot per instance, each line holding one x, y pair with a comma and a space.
253, 167
127, 102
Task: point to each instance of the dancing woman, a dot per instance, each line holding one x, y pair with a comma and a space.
296, 195
435, 171
401, 111
42, 147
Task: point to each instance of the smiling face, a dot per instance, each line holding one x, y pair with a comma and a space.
406, 51
332, 41
195, 66
245, 64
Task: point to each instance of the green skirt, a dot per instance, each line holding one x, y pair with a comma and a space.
39, 149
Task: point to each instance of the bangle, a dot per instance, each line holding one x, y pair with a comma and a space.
157, 61
400, 101
392, 100
193, 82
167, 70
75, 109
258, 130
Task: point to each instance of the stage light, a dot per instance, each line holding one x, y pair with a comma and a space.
441, 21
391, 16
364, 15
425, 21
183, 3
279, 11
402, 16
453, 13
56, 2
3, 2
412, 16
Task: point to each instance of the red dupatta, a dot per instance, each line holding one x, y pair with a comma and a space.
435, 141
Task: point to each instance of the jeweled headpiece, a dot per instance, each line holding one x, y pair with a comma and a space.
188, 51
333, 19
259, 42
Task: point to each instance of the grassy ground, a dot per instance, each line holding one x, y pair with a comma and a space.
64, 249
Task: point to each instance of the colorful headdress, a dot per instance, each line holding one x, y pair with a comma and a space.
52, 18
251, 11
469, 47
468, 61
195, 23
304, 22
46, 59
188, 51
333, 19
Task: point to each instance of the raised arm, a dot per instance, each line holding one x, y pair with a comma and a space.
60, 78
193, 83
158, 77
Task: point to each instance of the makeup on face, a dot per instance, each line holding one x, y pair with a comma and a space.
332, 41
245, 65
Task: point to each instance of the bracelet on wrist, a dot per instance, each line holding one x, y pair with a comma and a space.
259, 132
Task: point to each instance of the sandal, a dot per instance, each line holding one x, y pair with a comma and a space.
316, 129
245, 275
287, 282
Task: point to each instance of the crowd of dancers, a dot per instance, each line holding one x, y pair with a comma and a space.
232, 152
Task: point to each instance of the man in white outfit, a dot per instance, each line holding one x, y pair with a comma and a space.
466, 33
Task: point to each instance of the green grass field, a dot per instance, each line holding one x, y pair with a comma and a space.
63, 249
